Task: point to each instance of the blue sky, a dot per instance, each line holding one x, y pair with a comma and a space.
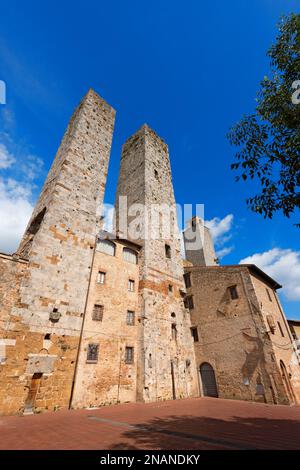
189, 69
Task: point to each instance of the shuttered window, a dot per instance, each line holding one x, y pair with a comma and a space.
101, 277
130, 317
271, 323
130, 255
92, 352
129, 355
131, 285
98, 312
107, 247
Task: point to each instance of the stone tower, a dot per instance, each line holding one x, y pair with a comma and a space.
199, 246
166, 362
59, 245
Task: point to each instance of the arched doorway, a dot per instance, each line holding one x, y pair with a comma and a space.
287, 383
208, 380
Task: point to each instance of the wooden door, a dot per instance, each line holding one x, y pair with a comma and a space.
32, 393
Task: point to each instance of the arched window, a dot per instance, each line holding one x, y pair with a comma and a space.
106, 246
130, 255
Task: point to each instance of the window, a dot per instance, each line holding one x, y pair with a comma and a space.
101, 277
130, 317
129, 352
189, 302
194, 331
187, 279
47, 336
131, 285
168, 251
156, 174
130, 255
269, 295
271, 323
174, 331
233, 292
98, 312
173, 315
107, 247
36, 222
293, 333
92, 353
260, 389
170, 288
54, 316
280, 329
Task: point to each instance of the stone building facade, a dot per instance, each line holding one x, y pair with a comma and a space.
243, 344
166, 360
295, 330
46, 316
90, 318
110, 327
199, 247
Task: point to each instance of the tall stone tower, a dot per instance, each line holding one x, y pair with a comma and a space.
199, 246
166, 362
59, 244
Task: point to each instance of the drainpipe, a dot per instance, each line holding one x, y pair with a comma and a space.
82, 327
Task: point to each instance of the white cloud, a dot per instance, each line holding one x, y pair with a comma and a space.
15, 211
224, 251
281, 264
7, 117
32, 167
218, 227
6, 158
15, 192
220, 231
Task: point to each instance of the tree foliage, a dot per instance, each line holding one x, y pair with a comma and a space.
268, 141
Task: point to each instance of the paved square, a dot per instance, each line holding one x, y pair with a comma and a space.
199, 423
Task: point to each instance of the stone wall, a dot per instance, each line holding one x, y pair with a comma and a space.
59, 243
280, 336
232, 334
110, 379
295, 330
166, 364
11, 333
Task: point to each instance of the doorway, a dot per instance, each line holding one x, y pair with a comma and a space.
208, 380
32, 392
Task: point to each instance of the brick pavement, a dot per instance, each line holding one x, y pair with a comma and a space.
200, 423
